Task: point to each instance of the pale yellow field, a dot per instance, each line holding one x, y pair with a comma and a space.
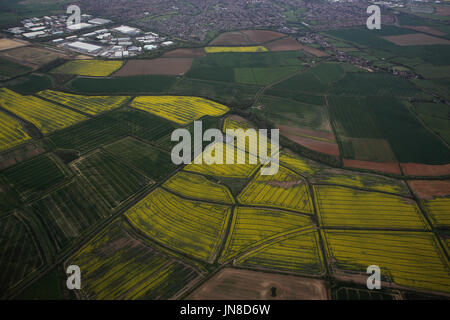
253, 226
194, 186
299, 253
89, 104
339, 206
11, 132
191, 227
6, 44
410, 259
115, 265
284, 190
299, 165
224, 170
236, 49
439, 211
46, 116
181, 110
90, 68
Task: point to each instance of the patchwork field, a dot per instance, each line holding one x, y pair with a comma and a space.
12, 132
339, 206
252, 227
181, 110
161, 66
192, 227
297, 253
415, 39
118, 266
46, 116
19, 252
194, 186
6, 44
284, 190
153, 162
68, 213
91, 105
90, 68
286, 44
409, 259
237, 284
235, 49
113, 180
37, 175
32, 56
185, 53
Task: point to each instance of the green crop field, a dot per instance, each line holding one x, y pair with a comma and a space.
37, 175
112, 179
155, 163
31, 84
9, 69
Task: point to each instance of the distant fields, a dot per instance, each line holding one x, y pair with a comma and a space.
117, 265
410, 259
338, 206
12, 132
153, 162
46, 116
194, 186
91, 68
113, 180
91, 105
181, 110
284, 190
192, 227
235, 49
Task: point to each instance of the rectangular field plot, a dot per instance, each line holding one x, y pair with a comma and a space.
224, 170
91, 105
284, 190
116, 265
339, 206
253, 226
46, 116
181, 110
297, 253
12, 132
155, 163
195, 186
235, 49
113, 180
192, 227
90, 68
111, 127
9, 198
410, 259
19, 253
439, 211
262, 76
37, 175
69, 212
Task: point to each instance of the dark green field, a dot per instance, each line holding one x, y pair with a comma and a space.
31, 84
155, 163
9, 69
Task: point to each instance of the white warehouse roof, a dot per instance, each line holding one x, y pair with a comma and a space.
84, 46
79, 26
126, 30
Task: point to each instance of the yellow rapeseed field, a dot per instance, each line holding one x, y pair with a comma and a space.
46, 116
236, 49
439, 211
89, 68
192, 227
298, 165
251, 227
284, 190
299, 253
194, 186
89, 104
224, 170
345, 207
115, 265
410, 259
11, 132
181, 110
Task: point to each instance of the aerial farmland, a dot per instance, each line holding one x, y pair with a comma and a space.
87, 176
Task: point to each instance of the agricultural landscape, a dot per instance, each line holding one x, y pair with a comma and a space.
87, 179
